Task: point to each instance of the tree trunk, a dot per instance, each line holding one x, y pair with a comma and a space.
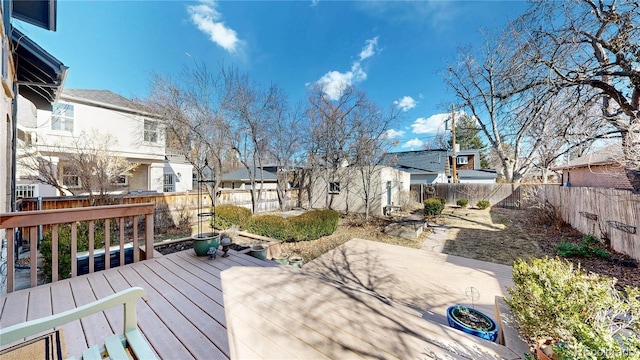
631, 149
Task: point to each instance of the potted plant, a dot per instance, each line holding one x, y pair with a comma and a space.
575, 313
203, 241
259, 251
472, 322
282, 258
296, 261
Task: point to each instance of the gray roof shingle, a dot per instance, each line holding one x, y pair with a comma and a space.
418, 162
100, 96
611, 154
243, 175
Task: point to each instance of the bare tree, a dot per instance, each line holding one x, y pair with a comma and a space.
252, 110
85, 165
515, 108
592, 44
332, 136
191, 109
369, 148
285, 147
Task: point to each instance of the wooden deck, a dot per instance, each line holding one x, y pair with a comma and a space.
361, 300
182, 316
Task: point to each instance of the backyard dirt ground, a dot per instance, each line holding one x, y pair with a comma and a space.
495, 235
503, 235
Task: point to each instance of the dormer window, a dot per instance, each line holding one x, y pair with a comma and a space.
462, 160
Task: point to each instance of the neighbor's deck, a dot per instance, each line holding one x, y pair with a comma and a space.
361, 300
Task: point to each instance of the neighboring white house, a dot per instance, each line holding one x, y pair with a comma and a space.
436, 166
345, 191
136, 136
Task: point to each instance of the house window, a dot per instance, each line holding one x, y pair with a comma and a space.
70, 179
121, 180
25, 191
169, 183
150, 131
334, 188
62, 117
462, 160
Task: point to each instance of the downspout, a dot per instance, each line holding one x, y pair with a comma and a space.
14, 146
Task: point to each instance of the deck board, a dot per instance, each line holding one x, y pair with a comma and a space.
359, 301
62, 300
96, 328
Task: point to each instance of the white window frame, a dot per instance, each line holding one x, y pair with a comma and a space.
66, 176
168, 183
60, 118
150, 131
122, 180
462, 160
25, 191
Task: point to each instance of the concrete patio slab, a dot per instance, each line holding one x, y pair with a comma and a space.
363, 299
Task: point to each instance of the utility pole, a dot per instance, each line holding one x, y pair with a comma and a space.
453, 141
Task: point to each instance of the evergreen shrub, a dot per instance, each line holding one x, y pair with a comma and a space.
433, 206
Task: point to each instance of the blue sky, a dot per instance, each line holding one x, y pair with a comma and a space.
392, 50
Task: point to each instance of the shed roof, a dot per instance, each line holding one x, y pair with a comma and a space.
243, 175
478, 174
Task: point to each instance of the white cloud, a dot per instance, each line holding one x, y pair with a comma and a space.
414, 144
430, 125
391, 133
207, 19
370, 47
334, 82
406, 103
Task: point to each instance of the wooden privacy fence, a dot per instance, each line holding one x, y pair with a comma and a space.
606, 213
171, 209
503, 195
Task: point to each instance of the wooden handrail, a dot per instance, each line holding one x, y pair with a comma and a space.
59, 216
32, 219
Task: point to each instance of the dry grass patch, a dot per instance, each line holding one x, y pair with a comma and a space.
487, 235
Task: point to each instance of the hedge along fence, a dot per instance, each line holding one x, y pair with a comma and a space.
308, 226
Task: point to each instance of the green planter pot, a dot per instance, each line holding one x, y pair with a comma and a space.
282, 259
296, 261
202, 242
259, 251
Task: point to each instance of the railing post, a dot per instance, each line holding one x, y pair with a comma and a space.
11, 254
148, 237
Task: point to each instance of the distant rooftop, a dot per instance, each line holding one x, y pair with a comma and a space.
611, 154
418, 162
243, 175
99, 97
